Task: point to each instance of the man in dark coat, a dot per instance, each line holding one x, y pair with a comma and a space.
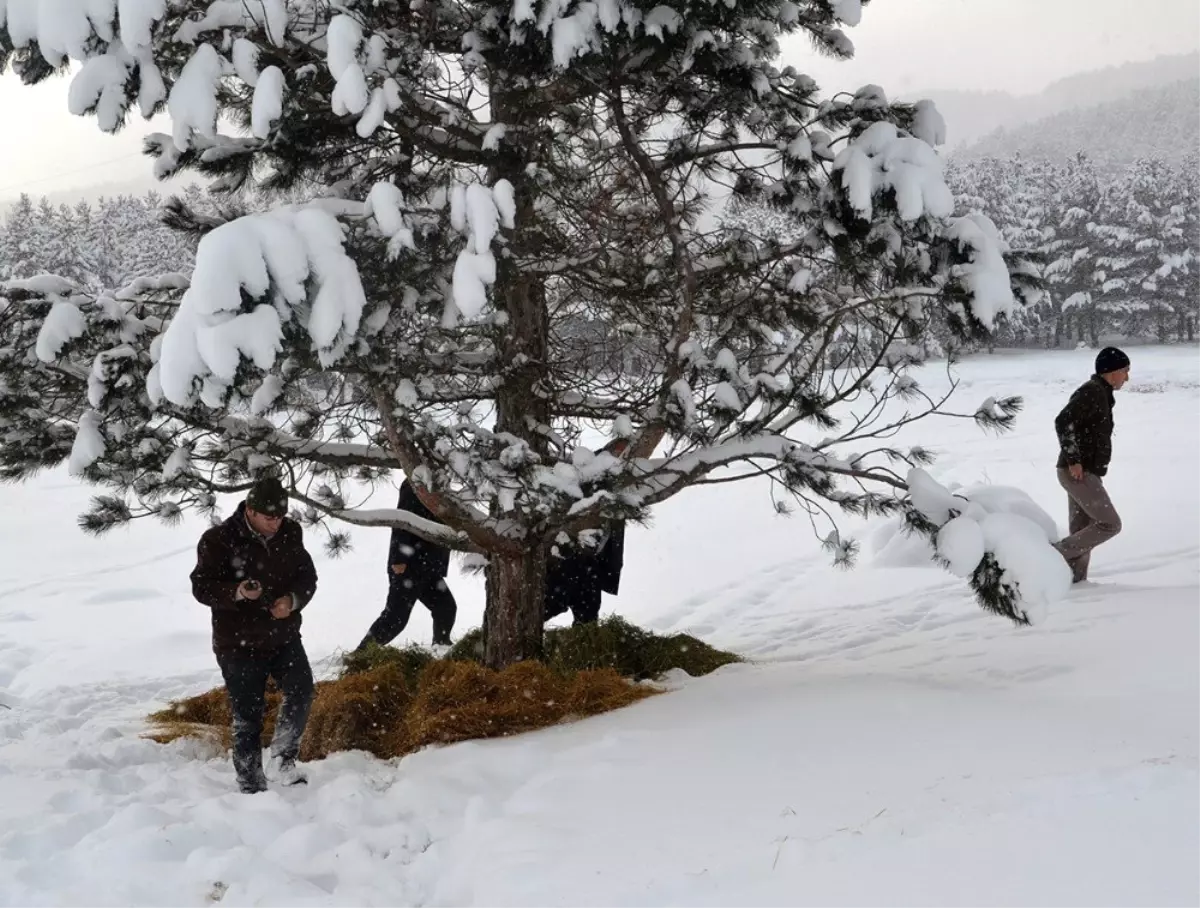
576, 577
1085, 429
255, 574
417, 569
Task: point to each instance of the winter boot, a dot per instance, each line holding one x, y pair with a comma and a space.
253, 783
290, 774
249, 769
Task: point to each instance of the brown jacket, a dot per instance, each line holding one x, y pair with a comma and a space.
230, 553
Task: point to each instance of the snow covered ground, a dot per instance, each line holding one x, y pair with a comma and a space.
890, 744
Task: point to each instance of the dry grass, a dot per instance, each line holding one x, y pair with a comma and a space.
459, 701
390, 701
378, 710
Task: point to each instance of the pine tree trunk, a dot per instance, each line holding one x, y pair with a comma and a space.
516, 586
516, 580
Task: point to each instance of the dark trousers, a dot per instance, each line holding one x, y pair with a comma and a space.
403, 593
583, 601
246, 677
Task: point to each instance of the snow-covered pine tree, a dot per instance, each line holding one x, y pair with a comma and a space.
1010, 192
1158, 204
19, 240
1072, 250
495, 174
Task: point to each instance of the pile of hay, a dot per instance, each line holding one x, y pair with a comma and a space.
390, 701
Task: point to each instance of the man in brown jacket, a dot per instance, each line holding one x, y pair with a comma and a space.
255, 574
1085, 428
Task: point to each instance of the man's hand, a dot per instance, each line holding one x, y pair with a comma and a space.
1075, 471
249, 589
282, 607
399, 568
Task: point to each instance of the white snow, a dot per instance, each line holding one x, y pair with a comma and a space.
985, 275
506, 205
1003, 521
178, 462
847, 11
961, 543
283, 249
245, 61
88, 445
100, 85
493, 137
928, 124
192, 104
385, 203
49, 285
882, 158
268, 101
889, 744
351, 95
477, 211
266, 394
374, 114
342, 39
63, 324
273, 16
136, 19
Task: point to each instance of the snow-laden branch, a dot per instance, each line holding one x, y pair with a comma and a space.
404, 520
333, 453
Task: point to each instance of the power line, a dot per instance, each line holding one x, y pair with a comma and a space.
67, 173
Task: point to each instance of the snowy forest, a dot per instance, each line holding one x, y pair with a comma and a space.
102, 247
1118, 250
1120, 253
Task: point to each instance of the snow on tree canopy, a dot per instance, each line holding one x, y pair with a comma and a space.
385, 203
574, 271
63, 324
884, 158
960, 542
276, 253
928, 124
986, 274
1004, 522
88, 446
268, 101
193, 100
478, 212
100, 86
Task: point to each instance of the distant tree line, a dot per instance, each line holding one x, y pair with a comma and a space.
1120, 255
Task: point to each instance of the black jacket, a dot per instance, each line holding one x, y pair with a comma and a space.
574, 571
1085, 427
426, 560
230, 553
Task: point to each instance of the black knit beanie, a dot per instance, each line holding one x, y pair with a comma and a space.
268, 496
1110, 359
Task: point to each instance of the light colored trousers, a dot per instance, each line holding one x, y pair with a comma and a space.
1092, 521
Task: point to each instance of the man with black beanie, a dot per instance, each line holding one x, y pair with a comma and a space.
255, 574
1084, 429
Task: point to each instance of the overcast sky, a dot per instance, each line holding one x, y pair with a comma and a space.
906, 46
